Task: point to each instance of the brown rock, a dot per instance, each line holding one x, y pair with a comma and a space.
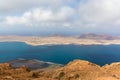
107, 78
75, 70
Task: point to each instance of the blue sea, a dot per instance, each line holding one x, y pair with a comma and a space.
62, 54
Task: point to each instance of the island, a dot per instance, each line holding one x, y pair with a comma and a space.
85, 39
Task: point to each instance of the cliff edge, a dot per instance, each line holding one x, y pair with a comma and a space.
75, 70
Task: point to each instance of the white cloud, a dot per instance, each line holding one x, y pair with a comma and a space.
15, 6
99, 11
88, 15
39, 15
93, 12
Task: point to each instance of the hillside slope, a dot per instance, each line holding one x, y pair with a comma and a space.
75, 70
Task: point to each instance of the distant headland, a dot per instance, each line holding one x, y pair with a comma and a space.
84, 39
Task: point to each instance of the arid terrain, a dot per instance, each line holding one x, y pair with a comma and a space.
21, 69
85, 39
75, 70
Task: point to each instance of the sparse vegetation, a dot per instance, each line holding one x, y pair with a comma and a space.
76, 76
60, 75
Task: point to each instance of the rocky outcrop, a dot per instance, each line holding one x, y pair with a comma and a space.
83, 70
113, 69
8, 73
75, 70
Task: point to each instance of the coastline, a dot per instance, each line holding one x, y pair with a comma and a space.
37, 41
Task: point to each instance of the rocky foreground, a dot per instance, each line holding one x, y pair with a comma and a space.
75, 70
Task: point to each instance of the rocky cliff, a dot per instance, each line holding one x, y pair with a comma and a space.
75, 70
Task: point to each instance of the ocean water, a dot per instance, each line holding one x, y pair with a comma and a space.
62, 54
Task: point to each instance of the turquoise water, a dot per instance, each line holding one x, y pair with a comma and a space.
62, 54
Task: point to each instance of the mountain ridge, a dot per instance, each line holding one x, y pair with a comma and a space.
99, 36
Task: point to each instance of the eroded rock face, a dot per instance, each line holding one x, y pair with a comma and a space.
107, 78
8, 73
80, 70
113, 69
75, 70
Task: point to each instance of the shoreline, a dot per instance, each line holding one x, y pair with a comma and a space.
38, 41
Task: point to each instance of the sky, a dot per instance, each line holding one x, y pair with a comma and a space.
64, 17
